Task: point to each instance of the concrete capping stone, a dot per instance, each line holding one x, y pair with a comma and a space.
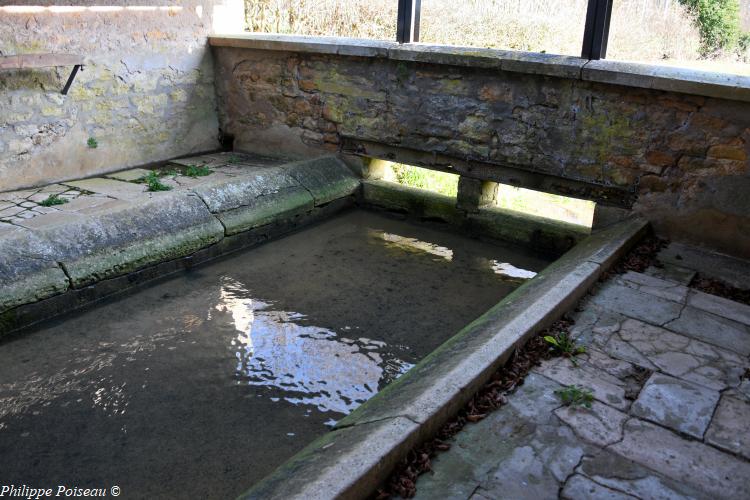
437, 387
301, 43
682, 80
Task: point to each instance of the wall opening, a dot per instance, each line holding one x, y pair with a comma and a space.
436, 181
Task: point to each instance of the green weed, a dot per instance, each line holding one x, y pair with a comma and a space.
92, 143
154, 183
575, 396
52, 200
565, 346
194, 171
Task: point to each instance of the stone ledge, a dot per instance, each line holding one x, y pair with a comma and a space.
682, 80
437, 387
62, 252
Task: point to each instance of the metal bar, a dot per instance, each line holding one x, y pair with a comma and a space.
596, 33
71, 78
407, 26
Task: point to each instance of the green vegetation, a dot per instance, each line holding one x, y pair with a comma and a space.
565, 346
718, 22
52, 200
195, 171
154, 183
439, 182
92, 143
575, 396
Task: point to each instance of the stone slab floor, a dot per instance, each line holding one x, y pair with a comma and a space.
667, 366
26, 208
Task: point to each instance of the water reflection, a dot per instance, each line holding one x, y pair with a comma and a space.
511, 271
308, 364
412, 244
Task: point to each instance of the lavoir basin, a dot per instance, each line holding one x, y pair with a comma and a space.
201, 384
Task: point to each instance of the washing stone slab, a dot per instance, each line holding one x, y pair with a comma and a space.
326, 178
728, 429
257, 198
29, 271
132, 236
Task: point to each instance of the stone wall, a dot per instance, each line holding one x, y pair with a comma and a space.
145, 94
679, 159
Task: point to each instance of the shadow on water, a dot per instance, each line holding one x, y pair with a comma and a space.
203, 384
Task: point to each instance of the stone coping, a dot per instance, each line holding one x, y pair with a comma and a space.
667, 78
361, 451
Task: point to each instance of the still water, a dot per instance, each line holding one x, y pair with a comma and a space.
202, 384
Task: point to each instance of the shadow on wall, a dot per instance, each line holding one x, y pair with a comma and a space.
145, 94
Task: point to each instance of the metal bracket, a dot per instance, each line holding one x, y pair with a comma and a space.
71, 78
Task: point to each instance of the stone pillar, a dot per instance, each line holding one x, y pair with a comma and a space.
474, 193
377, 169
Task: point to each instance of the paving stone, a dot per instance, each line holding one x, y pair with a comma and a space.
27, 204
110, 187
579, 487
600, 425
129, 175
637, 304
26, 214
615, 472
594, 324
720, 306
728, 428
683, 357
487, 447
11, 211
696, 464
743, 390
670, 272
604, 387
6, 204
53, 189
731, 270
676, 404
616, 367
655, 286
712, 329
83, 202
16, 196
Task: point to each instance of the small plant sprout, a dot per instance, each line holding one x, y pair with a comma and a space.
233, 159
565, 346
52, 200
575, 396
153, 182
92, 143
195, 171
